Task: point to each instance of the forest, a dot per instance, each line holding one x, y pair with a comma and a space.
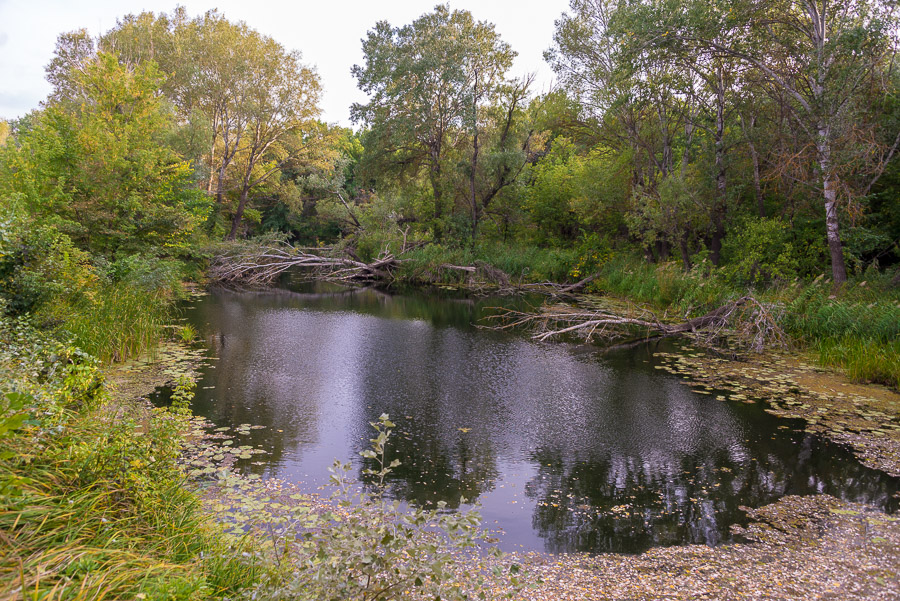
691, 155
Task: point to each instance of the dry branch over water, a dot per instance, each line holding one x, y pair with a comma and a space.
255, 264
755, 323
258, 265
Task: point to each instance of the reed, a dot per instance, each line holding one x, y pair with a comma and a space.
120, 322
862, 359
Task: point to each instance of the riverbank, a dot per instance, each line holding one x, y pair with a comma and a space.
854, 327
92, 497
814, 547
795, 541
865, 418
798, 548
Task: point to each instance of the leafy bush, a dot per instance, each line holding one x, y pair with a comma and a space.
38, 264
144, 271
372, 548
593, 253
759, 252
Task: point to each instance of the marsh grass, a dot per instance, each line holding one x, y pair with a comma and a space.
864, 360
816, 314
95, 518
856, 328
665, 285
521, 263
120, 322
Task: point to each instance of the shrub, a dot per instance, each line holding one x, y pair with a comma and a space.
372, 548
38, 265
759, 252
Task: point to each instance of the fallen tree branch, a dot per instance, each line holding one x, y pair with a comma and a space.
577, 285
754, 323
260, 265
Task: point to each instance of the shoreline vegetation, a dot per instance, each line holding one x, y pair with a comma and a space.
685, 178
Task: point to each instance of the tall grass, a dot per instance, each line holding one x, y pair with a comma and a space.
863, 359
94, 520
856, 328
95, 508
665, 286
121, 321
815, 313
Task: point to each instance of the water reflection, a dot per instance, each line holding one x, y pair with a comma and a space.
564, 448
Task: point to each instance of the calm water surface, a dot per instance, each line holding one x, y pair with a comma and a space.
564, 447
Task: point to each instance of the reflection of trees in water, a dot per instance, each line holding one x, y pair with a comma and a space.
436, 307
253, 377
625, 457
629, 504
430, 382
432, 471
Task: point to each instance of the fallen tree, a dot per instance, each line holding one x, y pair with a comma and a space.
258, 265
755, 324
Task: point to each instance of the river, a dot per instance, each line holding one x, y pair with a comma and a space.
564, 447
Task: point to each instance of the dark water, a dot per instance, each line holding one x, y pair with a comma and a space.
565, 447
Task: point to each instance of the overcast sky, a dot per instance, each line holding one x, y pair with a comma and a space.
327, 33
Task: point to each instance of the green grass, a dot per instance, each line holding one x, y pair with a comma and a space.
666, 286
94, 507
96, 520
817, 314
863, 359
856, 328
120, 322
520, 262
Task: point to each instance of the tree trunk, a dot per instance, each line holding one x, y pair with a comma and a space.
438, 201
212, 169
685, 252
238, 214
474, 166
662, 250
721, 203
754, 157
220, 191
838, 269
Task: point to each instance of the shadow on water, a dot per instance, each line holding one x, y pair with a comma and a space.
563, 447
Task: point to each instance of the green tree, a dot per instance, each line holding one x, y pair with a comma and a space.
99, 168
427, 82
824, 60
254, 101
